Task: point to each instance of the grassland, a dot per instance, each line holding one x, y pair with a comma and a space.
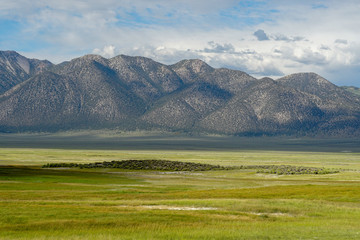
41, 203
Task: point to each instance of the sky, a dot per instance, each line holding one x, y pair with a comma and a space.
263, 37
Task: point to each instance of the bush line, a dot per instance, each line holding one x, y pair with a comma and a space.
165, 165
289, 170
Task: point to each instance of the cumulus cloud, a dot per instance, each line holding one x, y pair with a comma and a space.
341, 41
307, 56
169, 31
164, 54
281, 37
218, 48
324, 47
261, 35
108, 51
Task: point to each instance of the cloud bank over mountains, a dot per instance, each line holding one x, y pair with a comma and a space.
264, 38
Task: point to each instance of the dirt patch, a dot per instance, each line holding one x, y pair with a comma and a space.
165, 207
271, 214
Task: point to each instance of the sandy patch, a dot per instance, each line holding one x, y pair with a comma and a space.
181, 173
5, 181
165, 207
179, 208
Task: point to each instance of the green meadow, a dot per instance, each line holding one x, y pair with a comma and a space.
73, 203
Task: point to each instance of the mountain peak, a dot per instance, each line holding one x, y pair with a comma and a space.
15, 68
266, 79
91, 57
191, 69
139, 93
308, 82
8, 53
330, 97
195, 65
305, 78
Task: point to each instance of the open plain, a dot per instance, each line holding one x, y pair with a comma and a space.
104, 203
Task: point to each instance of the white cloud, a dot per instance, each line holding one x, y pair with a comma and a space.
107, 52
341, 41
219, 48
302, 36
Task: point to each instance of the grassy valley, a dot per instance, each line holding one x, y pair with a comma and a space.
354, 90
239, 203
179, 120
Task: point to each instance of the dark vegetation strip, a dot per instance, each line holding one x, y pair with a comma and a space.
165, 165
289, 170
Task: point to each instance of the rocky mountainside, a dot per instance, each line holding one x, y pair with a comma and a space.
352, 89
15, 69
190, 96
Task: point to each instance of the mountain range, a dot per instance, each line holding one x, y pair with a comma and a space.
128, 93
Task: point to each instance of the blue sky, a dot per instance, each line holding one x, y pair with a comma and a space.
263, 38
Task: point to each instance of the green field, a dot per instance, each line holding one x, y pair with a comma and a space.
64, 203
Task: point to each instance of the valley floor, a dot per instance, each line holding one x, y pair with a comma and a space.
40, 203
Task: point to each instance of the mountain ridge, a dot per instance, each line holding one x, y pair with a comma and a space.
189, 96
15, 68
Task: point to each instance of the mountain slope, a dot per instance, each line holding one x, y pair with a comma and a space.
328, 96
341, 108
15, 69
146, 78
264, 107
191, 70
39, 102
86, 94
354, 90
184, 109
190, 96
